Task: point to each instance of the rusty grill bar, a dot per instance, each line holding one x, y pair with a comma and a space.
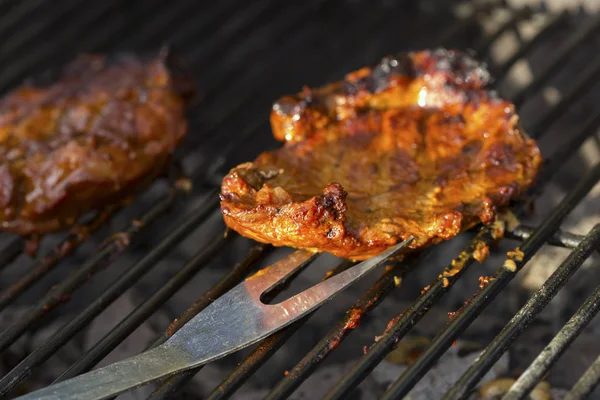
285, 35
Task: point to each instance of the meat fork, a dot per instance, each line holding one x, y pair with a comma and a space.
235, 320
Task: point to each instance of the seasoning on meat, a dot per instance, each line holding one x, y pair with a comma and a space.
415, 146
94, 137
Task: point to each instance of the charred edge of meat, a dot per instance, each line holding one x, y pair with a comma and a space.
462, 72
182, 80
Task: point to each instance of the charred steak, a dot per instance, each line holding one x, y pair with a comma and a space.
105, 129
415, 146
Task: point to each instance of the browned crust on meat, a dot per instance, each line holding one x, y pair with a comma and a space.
412, 147
100, 133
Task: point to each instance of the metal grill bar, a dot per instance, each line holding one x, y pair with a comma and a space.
17, 13
257, 358
208, 23
518, 16
170, 385
504, 275
249, 21
57, 294
145, 310
42, 266
559, 59
87, 17
521, 320
556, 21
128, 36
399, 326
30, 32
587, 383
291, 24
139, 269
587, 79
31, 277
116, 29
540, 366
11, 251
559, 238
391, 279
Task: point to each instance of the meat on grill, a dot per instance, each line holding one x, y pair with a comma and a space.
415, 146
101, 132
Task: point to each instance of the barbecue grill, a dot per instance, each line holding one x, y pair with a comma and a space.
245, 55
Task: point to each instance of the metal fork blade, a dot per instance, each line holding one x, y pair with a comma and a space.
235, 320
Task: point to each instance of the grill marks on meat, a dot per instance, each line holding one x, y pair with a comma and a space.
100, 133
412, 147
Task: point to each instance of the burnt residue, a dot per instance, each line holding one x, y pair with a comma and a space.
350, 321
399, 325
461, 67
381, 74
482, 252
483, 282
516, 255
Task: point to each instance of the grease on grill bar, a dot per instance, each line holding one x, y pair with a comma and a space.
285, 49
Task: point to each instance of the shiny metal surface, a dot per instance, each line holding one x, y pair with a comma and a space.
235, 320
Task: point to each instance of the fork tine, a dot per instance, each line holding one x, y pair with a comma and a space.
298, 305
268, 277
233, 321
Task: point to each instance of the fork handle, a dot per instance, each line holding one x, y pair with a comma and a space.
116, 378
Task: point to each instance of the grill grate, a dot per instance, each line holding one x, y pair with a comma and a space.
286, 43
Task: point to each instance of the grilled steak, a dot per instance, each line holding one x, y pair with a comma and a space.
103, 131
414, 146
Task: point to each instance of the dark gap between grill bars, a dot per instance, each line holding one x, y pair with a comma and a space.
556, 348
587, 383
520, 321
